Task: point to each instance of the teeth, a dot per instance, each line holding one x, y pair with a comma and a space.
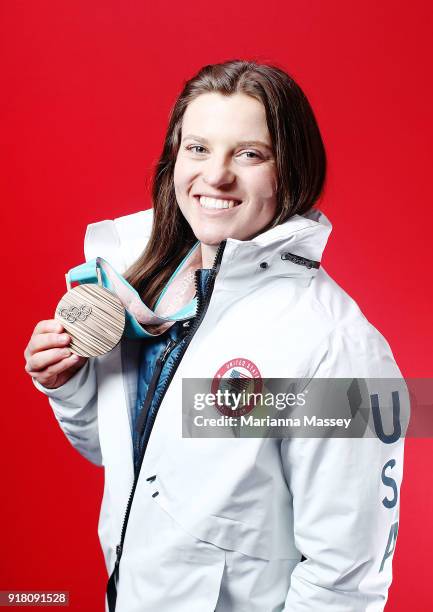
215, 203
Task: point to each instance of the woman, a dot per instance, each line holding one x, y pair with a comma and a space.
224, 524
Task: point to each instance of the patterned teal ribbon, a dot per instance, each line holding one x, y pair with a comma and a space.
100, 271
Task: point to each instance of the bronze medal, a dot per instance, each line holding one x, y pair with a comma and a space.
94, 317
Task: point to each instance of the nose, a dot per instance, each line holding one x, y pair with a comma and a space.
218, 173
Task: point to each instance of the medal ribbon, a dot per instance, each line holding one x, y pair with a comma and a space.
177, 302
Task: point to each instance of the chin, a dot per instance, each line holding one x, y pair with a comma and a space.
210, 236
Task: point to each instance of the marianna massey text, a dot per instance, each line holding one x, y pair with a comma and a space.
267, 421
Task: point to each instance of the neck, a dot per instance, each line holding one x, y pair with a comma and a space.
208, 253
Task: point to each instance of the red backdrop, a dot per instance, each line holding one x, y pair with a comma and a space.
87, 87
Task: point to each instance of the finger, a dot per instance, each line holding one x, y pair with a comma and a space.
48, 325
44, 359
73, 362
41, 342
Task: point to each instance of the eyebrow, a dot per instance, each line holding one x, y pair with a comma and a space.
242, 143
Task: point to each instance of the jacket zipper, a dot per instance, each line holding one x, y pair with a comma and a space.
202, 304
142, 417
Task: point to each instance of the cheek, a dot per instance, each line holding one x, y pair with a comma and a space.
181, 182
177, 184
263, 187
177, 175
182, 175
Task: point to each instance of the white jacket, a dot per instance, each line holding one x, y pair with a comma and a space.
232, 517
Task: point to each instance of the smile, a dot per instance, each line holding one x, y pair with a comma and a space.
216, 203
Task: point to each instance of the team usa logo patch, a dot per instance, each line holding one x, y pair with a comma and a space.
237, 377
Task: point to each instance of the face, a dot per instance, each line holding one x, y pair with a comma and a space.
225, 174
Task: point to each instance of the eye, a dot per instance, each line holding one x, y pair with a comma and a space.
194, 147
251, 154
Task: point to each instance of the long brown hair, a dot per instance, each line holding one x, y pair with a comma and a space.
298, 149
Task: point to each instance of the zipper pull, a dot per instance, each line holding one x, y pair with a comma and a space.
186, 329
118, 553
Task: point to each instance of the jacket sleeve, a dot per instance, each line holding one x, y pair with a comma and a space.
345, 496
74, 404
75, 407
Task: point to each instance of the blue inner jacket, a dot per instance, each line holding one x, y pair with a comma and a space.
151, 349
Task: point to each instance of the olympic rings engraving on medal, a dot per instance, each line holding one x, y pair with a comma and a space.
75, 313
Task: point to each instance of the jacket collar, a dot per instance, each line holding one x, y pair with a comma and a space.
303, 236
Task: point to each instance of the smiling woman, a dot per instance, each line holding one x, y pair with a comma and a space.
231, 134
230, 254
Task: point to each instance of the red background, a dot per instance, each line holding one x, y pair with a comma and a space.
87, 87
